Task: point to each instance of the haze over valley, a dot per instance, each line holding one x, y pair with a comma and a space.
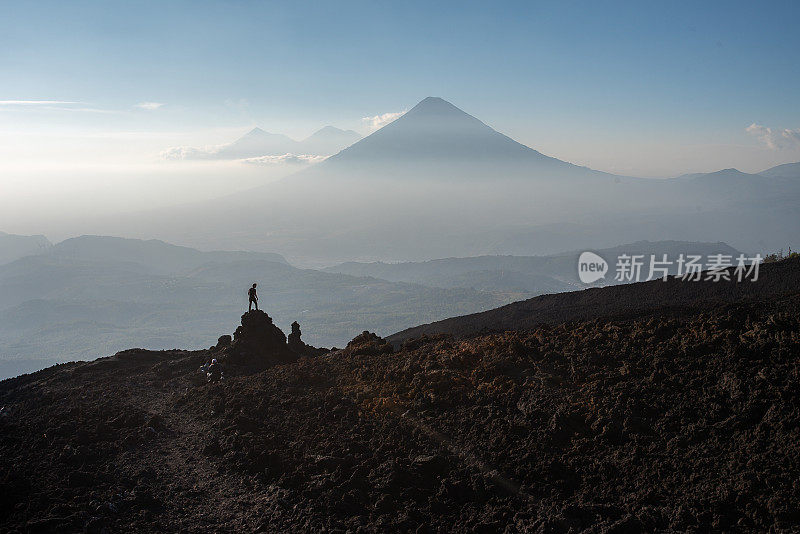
91, 295
435, 214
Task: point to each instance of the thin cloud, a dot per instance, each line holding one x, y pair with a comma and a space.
35, 102
84, 110
210, 153
285, 159
48, 105
149, 105
377, 122
189, 152
775, 139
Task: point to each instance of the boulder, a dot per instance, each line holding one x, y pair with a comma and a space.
368, 343
223, 342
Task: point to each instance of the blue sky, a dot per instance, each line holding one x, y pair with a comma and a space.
647, 88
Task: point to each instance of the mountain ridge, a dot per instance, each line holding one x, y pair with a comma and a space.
786, 170
550, 273
258, 142
620, 301
15, 246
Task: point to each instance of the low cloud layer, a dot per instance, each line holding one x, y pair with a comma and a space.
377, 122
191, 152
210, 153
775, 139
285, 159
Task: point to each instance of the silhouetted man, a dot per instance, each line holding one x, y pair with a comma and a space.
251, 293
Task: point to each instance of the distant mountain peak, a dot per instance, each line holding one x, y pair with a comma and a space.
329, 128
438, 108
329, 140
435, 103
258, 132
333, 130
787, 170
436, 131
258, 142
729, 173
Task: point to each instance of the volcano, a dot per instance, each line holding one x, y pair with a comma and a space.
436, 129
258, 142
436, 139
328, 140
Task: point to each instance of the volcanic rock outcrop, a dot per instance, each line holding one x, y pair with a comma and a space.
258, 342
368, 343
297, 345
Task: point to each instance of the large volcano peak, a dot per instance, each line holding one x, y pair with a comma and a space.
436, 130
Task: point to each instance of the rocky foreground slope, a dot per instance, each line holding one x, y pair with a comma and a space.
683, 422
655, 298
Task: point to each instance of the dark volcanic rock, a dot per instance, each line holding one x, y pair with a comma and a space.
297, 345
653, 298
368, 343
294, 341
666, 422
258, 342
223, 342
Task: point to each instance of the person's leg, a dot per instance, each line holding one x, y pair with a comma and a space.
250, 305
256, 305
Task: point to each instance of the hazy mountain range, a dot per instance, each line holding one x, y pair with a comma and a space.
435, 183
653, 300
525, 274
438, 182
94, 295
257, 143
16, 246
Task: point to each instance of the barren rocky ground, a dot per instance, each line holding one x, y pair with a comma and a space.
653, 422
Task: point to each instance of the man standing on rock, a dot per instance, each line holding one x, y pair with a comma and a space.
251, 293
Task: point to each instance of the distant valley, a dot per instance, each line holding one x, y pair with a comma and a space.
94, 295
